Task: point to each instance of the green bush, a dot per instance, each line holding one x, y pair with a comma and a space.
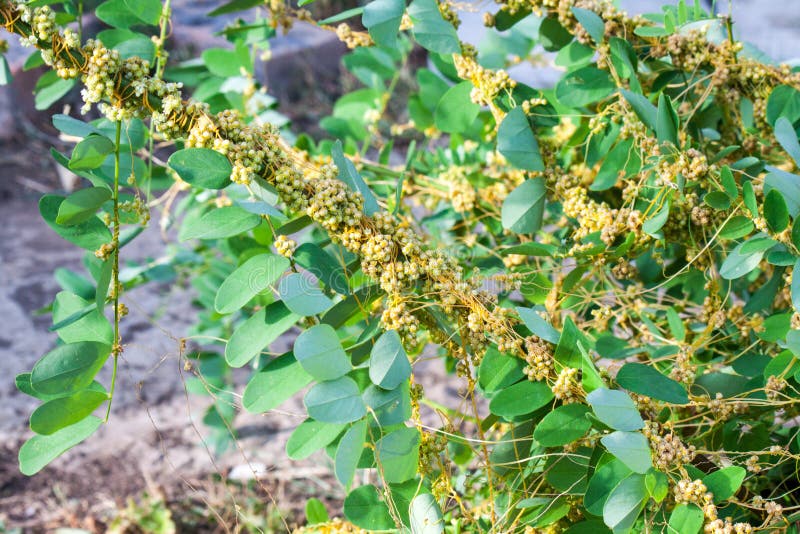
604, 268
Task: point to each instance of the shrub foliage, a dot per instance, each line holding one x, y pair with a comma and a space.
603, 267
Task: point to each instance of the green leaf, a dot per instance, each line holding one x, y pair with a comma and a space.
739, 263
349, 175
645, 380
563, 425
520, 398
652, 225
309, 437
116, 13
319, 263
224, 63
388, 364
784, 101
775, 211
615, 409
591, 22
425, 515
719, 200
69, 368
602, 482
538, 325
364, 508
583, 87
657, 485
498, 371
220, 222
257, 332
785, 182
348, 452
278, 381
625, 503
456, 111
397, 454
320, 352
90, 234
90, 153
787, 137
567, 352
523, 208
430, 29
795, 287
335, 401
725, 482
39, 451
81, 205
737, 227
103, 283
382, 19
517, 143
749, 197
686, 519
77, 319
248, 280
631, 448
643, 108
390, 407
201, 167
552, 35
667, 124
316, 512
302, 295
148, 11
59, 413
50, 89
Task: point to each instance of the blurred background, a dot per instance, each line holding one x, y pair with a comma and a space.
153, 450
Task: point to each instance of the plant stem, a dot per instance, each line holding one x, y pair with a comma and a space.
117, 345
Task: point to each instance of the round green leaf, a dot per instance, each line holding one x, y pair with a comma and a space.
69, 368
563, 425
309, 437
456, 111
382, 19
81, 205
725, 482
56, 414
364, 508
90, 234
425, 515
220, 222
520, 398
686, 519
248, 280
397, 454
615, 408
523, 208
90, 153
39, 451
348, 452
274, 384
645, 380
261, 329
335, 401
631, 448
201, 167
302, 295
517, 143
625, 502
603, 481
583, 87
775, 211
388, 364
320, 352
